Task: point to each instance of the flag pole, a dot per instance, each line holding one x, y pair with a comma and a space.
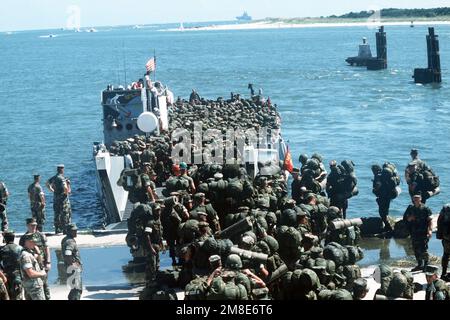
154, 57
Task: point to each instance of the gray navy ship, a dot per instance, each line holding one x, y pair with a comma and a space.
244, 17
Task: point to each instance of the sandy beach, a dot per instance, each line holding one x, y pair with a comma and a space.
284, 25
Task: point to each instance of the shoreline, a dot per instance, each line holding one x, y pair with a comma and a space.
263, 25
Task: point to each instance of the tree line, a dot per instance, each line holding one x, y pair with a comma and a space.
398, 13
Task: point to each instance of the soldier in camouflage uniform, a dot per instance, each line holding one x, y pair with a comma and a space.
443, 233
436, 289
3, 291
37, 202
154, 244
201, 206
31, 271
10, 264
147, 192
4, 194
418, 217
72, 262
60, 186
42, 250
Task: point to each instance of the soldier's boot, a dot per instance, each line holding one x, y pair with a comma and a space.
419, 266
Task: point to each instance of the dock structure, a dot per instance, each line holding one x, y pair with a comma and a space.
432, 74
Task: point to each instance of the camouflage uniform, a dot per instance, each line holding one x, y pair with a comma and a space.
3, 201
10, 260
61, 203
37, 207
154, 233
34, 287
41, 242
418, 230
213, 218
74, 267
142, 194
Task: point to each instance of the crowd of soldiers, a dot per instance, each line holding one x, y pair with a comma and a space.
24, 267
236, 235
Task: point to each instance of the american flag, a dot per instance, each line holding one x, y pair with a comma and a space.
151, 65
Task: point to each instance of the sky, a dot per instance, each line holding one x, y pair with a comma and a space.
48, 14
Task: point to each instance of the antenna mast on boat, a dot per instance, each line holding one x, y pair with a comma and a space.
124, 62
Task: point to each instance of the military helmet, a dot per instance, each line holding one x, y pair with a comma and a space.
334, 213
320, 265
316, 252
317, 156
251, 234
288, 218
271, 218
303, 158
248, 240
262, 247
313, 164
233, 262
272, 243
309, 280
376, 169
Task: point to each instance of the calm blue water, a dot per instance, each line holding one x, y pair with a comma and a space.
50, 91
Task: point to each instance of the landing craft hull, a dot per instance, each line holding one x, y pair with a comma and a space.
114, 199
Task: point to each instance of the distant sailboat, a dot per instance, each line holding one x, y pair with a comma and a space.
181, 28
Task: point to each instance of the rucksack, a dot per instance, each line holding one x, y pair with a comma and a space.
130, 180
188, 231
219, 290
235, 189
289, 240
397, 286
337, 253
196, 289
431, 180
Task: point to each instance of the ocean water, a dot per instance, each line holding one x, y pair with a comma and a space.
50, 91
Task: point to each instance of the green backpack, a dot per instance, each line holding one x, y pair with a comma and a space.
196, 289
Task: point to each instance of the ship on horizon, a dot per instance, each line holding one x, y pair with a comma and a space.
244, 17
